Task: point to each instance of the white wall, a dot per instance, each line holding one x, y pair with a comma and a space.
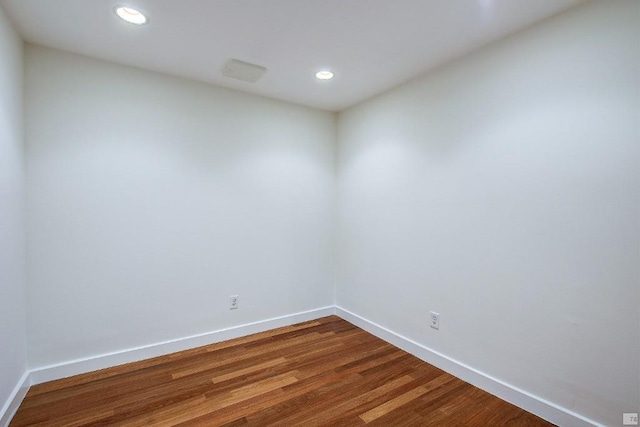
13, 314
502, 191
152, 199
13, 358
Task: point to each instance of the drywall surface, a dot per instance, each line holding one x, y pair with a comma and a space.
502, 191
152, 199
13, 311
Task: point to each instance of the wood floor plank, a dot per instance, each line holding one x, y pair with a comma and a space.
401, 400
340, 405
249, 370
326, 372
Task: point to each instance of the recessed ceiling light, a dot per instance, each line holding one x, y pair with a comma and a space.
131, 15
324, 75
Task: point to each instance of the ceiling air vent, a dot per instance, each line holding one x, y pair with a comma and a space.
244, 71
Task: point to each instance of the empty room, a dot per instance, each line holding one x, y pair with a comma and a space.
338, 213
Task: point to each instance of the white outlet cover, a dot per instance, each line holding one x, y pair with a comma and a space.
234, 301
434, 320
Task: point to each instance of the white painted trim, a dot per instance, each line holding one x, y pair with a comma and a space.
15, 399
80, 366
521, 398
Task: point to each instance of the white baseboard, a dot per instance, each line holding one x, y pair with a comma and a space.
81, 366
523, 399
15, 399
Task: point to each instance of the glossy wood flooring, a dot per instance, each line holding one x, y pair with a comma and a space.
325, 372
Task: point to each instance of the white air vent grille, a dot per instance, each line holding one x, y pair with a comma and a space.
244, 71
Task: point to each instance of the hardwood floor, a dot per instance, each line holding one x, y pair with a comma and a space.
323, 372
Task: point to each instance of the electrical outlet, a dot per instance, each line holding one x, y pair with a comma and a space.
234, 301
434, 320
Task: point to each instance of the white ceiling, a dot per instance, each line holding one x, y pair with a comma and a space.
371, 45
